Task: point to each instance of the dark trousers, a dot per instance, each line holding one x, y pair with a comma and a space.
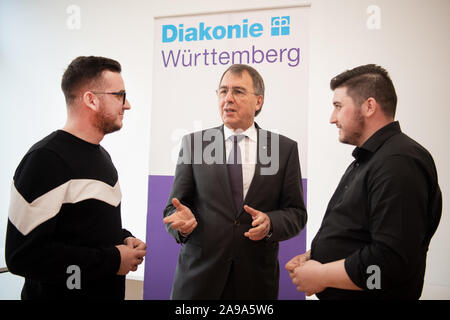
229, 292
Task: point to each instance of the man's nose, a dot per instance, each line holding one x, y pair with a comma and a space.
127, 105
229, 96
333, 117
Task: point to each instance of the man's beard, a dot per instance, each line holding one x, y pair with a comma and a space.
105, 123
354, 136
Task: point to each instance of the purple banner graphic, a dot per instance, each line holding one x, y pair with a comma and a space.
162, 250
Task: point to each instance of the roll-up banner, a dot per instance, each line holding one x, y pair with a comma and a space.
190, 54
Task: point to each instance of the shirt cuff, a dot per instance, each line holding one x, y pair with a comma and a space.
355, 270
113, 260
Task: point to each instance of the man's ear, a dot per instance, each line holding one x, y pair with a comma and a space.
259, 103
91, 100
370, 106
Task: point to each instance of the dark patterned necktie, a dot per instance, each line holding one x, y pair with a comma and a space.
234, 165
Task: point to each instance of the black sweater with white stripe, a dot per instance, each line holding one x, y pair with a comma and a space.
64, 215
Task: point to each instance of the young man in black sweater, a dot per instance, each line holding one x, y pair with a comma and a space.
64, 230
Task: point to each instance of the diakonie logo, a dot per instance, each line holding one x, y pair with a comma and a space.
171, 32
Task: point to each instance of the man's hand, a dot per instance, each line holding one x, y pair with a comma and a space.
261, 224
182, 219
130, 258
308, 276
297, 261
313, 277
135, 243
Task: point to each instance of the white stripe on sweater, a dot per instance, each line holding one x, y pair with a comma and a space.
27, 216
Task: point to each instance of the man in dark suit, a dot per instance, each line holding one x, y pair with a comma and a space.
237, 192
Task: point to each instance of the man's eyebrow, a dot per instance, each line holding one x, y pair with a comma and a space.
234, 87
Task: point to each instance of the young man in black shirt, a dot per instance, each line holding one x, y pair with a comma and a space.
64, 230
375, 234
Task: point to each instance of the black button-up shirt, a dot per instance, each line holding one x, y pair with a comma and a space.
383, 213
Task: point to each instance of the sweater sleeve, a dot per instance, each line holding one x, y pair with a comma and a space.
33, 249
126, 234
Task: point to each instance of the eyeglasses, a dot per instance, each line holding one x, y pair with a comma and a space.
237, 93
121, 93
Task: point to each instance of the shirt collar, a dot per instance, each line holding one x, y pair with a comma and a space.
377, 139
251, 132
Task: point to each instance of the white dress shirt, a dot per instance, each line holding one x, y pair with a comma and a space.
248, 147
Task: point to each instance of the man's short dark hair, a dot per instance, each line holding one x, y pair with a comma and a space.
258, 82
368, 81
83, 70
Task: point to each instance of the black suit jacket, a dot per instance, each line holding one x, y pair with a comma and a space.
218, 240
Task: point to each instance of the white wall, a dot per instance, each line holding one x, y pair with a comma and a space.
36, 46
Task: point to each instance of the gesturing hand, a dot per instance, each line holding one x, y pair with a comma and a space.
261, 224
182, 219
